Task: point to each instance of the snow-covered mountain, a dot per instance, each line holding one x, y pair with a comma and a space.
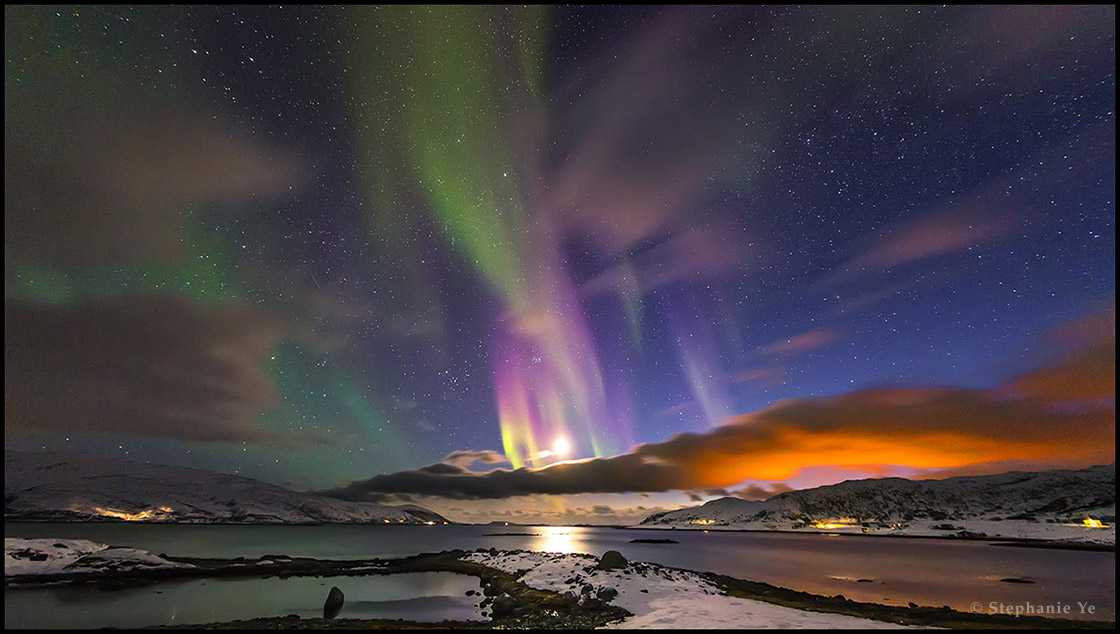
67, 487
1062, 504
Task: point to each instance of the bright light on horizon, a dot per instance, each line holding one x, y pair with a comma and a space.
561, 446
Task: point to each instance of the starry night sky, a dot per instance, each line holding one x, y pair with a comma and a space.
314, 245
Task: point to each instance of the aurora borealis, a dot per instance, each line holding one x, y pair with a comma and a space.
561, 259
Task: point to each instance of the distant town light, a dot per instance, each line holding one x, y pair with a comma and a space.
840, 522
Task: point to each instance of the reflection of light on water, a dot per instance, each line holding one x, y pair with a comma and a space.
555, 539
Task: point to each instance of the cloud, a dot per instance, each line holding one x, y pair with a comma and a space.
769, 376
930, 236
922, 428
699, 252
464, 459
804, 342
99, 169
1089, 373
1034, 41
114, 189
149, 365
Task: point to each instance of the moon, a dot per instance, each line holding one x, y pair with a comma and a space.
561, 446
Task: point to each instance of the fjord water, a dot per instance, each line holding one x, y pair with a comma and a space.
965, 575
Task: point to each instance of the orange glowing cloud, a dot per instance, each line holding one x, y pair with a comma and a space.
1086, 374
1059, 415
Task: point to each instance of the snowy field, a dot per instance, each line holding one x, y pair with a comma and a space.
661, 597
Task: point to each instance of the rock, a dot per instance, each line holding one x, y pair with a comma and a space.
612, 560
644, 590
60, 545
606, 594
470, 593
504, 605
912, 605
586, 589
1016, 580
333, 604
654, 541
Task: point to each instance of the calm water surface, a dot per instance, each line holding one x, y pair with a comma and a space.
414, 596
926, 571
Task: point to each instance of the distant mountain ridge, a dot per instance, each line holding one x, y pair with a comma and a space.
1060, 504
53, 486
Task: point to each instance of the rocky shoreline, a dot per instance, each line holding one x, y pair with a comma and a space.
513, 598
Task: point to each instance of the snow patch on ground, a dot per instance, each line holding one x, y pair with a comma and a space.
65, 556
660, 597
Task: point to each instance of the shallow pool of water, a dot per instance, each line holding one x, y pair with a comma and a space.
427, 596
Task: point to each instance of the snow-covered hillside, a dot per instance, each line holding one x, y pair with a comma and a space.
1064, 505
66, 487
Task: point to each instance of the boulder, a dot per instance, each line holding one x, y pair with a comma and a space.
504, 605
612, 560
333, 604
606, 594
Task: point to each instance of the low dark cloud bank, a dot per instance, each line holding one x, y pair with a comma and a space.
152, 365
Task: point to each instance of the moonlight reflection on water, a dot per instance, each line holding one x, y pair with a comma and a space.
555, 539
